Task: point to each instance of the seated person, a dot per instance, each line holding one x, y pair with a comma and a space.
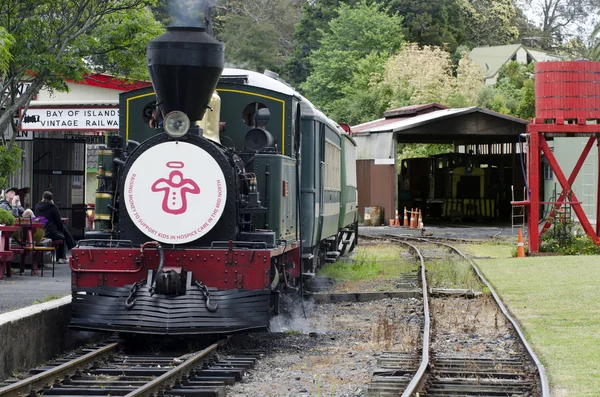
54, 228
12, 202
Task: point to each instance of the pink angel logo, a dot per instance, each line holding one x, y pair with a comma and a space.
175, 189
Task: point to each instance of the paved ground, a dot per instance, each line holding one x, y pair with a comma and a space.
466, 231
17, 291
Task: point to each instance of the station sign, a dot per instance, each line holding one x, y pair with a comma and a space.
70, 119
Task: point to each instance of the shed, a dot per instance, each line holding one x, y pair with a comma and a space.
471, 130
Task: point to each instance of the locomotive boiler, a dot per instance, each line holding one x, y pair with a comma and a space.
223, 189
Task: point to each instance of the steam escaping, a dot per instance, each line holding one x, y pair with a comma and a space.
292, 317
190, 13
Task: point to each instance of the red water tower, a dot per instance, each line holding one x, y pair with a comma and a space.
567, 97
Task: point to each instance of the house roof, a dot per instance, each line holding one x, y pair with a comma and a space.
492, 58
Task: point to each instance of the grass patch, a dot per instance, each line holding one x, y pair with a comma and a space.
487, 250
47, 299
371, 261
451, 273
557, 301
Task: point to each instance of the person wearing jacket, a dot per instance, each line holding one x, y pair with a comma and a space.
12, 203
54, 228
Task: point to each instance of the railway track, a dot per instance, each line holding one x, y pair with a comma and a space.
443, 372
104, 370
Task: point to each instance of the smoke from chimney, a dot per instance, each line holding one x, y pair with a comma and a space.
190, 13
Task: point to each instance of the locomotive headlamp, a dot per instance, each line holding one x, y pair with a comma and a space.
176, 124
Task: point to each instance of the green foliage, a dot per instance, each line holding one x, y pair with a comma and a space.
370, 261
6, 218
258, 34
125, 35
6, 42
438, 23
313, 24
453, 273
491, 22
364, 31
565, 238
10, 161
594, 52
420, 150
55, 41
514, 92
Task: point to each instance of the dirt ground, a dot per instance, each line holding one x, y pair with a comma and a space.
331, 352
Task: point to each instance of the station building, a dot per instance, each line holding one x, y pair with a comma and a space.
59, 135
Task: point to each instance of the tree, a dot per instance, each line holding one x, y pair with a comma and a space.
313, 24
258, 34
419, 75
363, 32
54, 41
594, 52
491, 22
561, 20
439, 23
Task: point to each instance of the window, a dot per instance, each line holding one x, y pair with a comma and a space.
333, 171
548, 173
256, 114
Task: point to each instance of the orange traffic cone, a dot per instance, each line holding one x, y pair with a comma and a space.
405, 218
420, 226
397, 220
520, 245
412, 218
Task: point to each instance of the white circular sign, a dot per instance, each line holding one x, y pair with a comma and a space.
175, 192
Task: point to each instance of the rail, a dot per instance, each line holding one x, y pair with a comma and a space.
540, 367
23, 387
418, 377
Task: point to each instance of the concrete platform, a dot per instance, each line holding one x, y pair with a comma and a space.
17, 292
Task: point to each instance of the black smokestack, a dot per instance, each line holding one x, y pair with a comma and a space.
185, 64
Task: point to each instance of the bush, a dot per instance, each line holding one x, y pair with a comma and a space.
565, 238
6, 217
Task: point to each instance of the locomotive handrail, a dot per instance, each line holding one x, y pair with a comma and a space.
128, 242
79, 270
245, 244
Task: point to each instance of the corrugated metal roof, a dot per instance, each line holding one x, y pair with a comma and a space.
375, 146
413, 110
396, 125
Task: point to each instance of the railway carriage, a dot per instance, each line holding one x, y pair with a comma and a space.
206, 215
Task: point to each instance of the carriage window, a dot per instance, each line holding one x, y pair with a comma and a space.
256, 114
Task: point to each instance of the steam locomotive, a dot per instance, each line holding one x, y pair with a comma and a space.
206, 218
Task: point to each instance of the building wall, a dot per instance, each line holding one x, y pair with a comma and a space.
376, 187
521, 55
567, 152
78, 92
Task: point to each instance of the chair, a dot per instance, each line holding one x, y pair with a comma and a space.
40, 252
